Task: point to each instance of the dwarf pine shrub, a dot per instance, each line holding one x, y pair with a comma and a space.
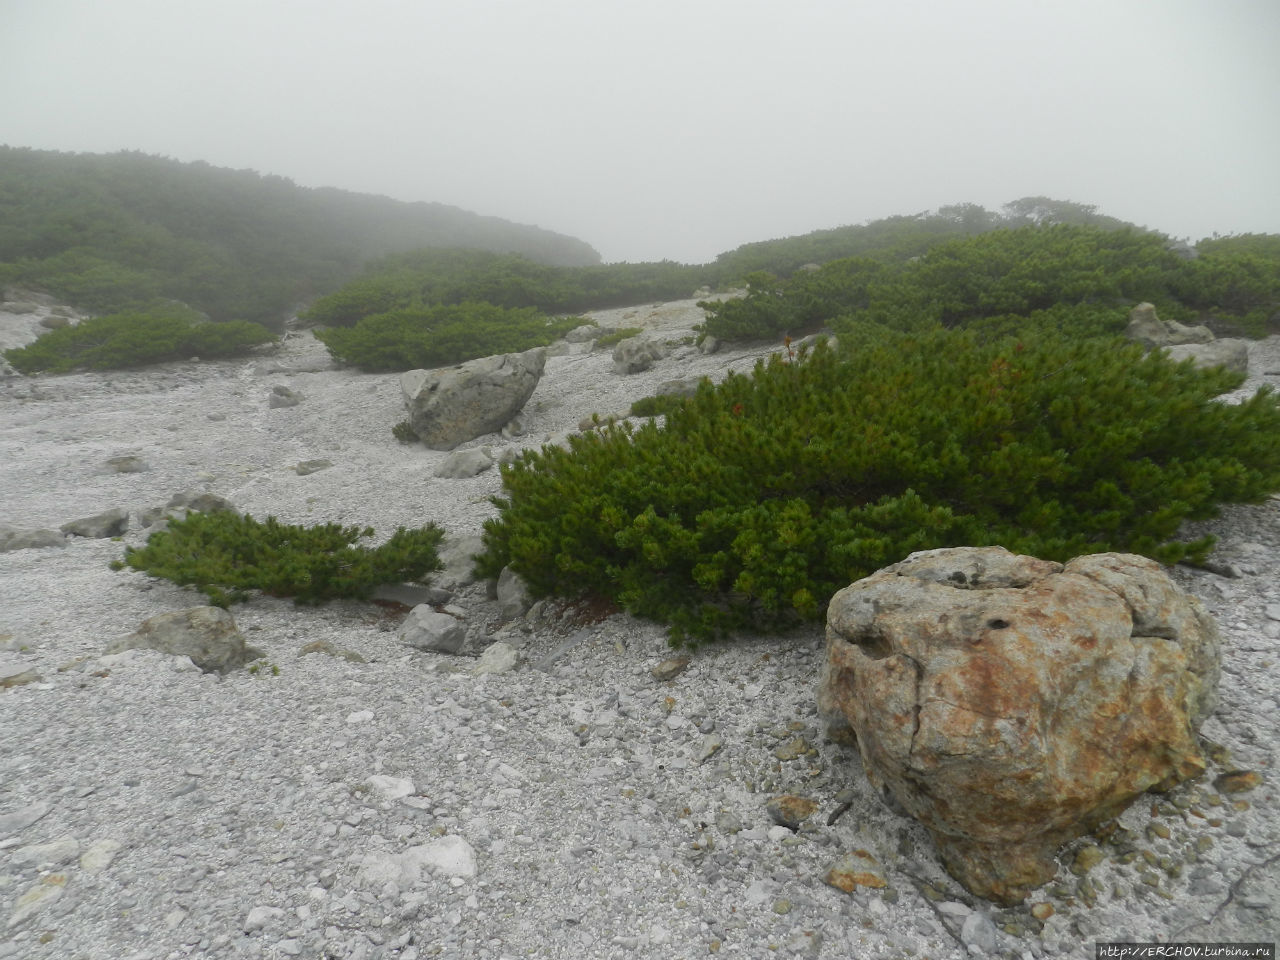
224, 555
423, 337
135, 339
763, 495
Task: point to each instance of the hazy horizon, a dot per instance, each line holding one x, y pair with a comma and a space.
679, 130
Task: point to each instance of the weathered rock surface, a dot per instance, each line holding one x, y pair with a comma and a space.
1149, 330
428, 629
208, 635
637, 354
110, 523
12, 539
282, 396
452, 405
462, 464
1010, 704
1227, 352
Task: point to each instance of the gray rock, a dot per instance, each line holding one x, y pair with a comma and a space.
709, 344
14, 673
99, 856
11, 539
307, 467
208, 635
499, 657
1149, 330
112, 523
513, 595
684, 387
200, 502
1230, 353
127, 464
55, 322
46, 854
426, 629
584, 333
19, 820
282, 396
462, 464
978, 931
459, 557
637, 354
452, 405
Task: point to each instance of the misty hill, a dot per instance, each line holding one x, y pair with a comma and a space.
120, 231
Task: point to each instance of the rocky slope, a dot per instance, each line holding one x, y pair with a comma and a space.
388, 803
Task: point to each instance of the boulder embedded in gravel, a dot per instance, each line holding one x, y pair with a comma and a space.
200, 502
112, 523
458, 554
462, 464
500, 657
307, 467
208, 635
452, 405
428, 629
127, 464
282, 396
1011, 704
1227, 352
15, 673
11, 539
637, 354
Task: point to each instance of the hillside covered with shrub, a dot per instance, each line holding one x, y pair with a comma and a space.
1083, 277
115, 232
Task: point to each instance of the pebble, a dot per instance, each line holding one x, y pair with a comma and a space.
19, 820
979, 932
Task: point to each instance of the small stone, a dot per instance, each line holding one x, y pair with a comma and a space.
21, 819
308, 467
670, 669
978, 931
259, 917
1086, 859
500, 657
1238, 781
791, 810
326, 647
47, 854
391, 788
360, 716
1155, 829
35, 899
99, 856
793, 749
13, 674
782, 907
856, 869
711, 745
1042, 911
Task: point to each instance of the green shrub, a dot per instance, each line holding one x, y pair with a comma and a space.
135, 339
224, 555
763, 495
425, 337
993, 274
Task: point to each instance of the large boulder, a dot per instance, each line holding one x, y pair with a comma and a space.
637, 354
208, 635
452, 405
1149, 330
1227, 352
1011, 704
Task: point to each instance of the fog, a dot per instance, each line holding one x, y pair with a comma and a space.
677, 129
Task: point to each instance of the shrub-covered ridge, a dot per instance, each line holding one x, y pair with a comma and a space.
763, 495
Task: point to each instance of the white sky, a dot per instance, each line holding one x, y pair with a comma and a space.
678, 129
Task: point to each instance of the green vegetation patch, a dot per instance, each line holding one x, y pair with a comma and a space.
135, 339
424, 337
224, 555
1233, 286
763, 495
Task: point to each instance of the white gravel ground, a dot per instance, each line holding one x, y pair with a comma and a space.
148, 811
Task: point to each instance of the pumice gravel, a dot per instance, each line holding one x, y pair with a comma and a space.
349, 797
